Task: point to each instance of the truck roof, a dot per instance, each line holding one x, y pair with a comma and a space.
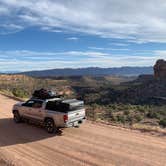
52, 99
67, 101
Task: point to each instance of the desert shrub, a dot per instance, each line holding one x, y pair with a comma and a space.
153, 114
114, 118
20, 93
94, 106
121, 118
112, 106
126, 112
162, 122
138, 117
91, 98
127, 107
129, 118
141, 109
161, 111
91, 113
109, 113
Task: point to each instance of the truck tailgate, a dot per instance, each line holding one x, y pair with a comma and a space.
76, 115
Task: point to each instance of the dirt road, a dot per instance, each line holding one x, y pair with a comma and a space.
90, 145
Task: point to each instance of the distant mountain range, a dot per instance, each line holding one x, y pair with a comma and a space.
91, 71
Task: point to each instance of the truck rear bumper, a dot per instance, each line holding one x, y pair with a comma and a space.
75, 123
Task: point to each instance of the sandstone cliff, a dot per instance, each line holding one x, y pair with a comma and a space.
160, 69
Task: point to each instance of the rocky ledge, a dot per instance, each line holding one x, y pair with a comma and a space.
160, 69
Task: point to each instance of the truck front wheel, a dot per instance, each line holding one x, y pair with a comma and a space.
16, 117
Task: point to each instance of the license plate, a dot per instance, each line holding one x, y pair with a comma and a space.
75, 123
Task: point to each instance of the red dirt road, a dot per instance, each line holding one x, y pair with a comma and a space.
90, 145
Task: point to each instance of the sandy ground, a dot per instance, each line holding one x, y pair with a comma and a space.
91, 144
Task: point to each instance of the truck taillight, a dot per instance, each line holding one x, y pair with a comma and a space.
65, 118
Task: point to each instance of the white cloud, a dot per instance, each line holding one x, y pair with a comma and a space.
51, 29
9, 28
109, 49
120, 44
96, 48
138, 21
161, 53
3, 11
73, 38
30, 54
23, 60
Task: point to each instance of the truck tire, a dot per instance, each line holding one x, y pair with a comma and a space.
16, 117
49, 125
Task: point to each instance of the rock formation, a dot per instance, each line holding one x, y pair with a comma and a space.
160, 69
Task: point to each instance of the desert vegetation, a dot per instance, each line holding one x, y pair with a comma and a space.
108, 99
128, 114
23, 86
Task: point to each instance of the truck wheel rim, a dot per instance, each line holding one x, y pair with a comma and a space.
50, 126
16, 118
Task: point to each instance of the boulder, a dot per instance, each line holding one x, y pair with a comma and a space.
160, 69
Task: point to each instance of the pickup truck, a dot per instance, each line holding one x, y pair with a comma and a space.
53, 113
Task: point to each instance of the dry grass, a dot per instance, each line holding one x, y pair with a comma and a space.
148, 128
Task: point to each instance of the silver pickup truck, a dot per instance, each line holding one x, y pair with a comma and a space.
53, 113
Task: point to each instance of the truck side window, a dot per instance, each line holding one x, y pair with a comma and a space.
51, 105
37, 104
28, 103
33, 103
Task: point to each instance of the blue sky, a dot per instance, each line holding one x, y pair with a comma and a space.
47, 34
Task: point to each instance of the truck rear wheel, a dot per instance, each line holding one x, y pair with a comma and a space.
16, 117
50, 126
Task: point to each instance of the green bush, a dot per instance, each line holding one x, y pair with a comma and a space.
162, 122
19, 93
109, 113
141, 109
121, 118
129, 119
138, 118
126, 112
153, 114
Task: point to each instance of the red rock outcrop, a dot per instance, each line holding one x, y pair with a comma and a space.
160, 69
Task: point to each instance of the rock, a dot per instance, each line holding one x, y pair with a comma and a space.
160, 69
